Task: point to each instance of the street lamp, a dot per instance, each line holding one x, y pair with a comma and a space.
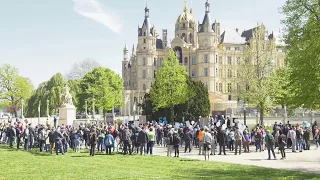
86, 108
39, 112
22, 103
48, 108
93, 109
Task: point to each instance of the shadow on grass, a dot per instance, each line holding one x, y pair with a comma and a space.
249, 173
35, 152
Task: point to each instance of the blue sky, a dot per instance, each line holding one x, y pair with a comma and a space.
43, 37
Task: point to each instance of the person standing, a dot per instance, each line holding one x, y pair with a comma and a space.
57, 136
176, 144
270, 144
201, 133
109, 142
207, 140
26, 138
151, 137
142, 140
187, 139
93, 141
169, 144
51, 139
42, 138
222, 139
55, 122
282, 143
12, 136
238, 138
292, 136
18, 135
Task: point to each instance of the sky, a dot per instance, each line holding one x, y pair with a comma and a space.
44, 37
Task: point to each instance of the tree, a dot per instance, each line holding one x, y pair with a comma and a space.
51, 90
199, 104
104, 86
256, 84
13, 88
302, 36
170, 87
81, 68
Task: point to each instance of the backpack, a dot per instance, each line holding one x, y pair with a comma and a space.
238, 135
108, 141
41, 135
270, 139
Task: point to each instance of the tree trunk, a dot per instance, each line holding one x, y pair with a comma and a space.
261, 113
172, 114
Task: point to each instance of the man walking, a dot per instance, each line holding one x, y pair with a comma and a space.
93, 141
58, 141
269, 143
238, 138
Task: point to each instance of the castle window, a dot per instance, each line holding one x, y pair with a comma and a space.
144, 61
238, 60
206, 58
217, 75
185, 60
229, 87
229, 60
144, 34
194, 60
217, 87
184, 25
190, 38
206, 72
228, 48
193, 73
229, 97
154, 74
237, 48
190, 25
220, 59
229, 74
144, 74
155, 62
220, 87
144, 40
216, 58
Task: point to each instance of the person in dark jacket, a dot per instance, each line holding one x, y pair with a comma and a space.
31, 136
143, 140
187, 139
282, 143
57, 136
93, 141
222, 139
51, 139
126, 139
306, 137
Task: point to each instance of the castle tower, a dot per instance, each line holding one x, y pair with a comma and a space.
186, 28
146, 53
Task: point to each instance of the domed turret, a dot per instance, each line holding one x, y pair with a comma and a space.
185, 28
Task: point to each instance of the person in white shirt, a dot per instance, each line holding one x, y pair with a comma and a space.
207, 139
292, 135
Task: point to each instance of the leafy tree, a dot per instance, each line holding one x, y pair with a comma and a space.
302, 36
13, 88
256, 83
199, 104
81, 68
170, 87
103, 85
51, 90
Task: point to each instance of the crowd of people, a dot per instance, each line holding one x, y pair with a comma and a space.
215, 138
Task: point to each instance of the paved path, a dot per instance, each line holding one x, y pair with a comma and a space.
306, 161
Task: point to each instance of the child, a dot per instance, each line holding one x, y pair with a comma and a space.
176, 144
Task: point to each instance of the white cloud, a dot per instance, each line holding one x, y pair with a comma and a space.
94, 10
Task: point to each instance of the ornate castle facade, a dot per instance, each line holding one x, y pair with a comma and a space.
209, 55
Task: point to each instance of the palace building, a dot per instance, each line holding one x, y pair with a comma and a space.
209, 55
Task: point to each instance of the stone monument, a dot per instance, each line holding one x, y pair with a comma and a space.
67, 111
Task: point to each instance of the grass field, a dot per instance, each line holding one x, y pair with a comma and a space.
35, 165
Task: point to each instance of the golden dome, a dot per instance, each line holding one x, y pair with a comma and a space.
185, 16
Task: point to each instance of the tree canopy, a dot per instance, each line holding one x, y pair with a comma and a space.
170, 87
13, 88
302, 37
103, 85
81, 68
256, 84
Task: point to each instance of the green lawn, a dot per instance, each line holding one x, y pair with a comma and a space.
35, 165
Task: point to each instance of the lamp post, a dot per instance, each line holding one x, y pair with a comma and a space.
93, 109
86, 109
244, 114
48, 108
22, 103
39, 112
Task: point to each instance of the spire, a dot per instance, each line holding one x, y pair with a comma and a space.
133, 50
185, 6
146, 10
191, 7
125, 47
207, 7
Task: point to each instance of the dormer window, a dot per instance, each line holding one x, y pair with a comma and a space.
184, 25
